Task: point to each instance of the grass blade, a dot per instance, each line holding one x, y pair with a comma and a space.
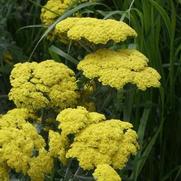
63, 54
164, 15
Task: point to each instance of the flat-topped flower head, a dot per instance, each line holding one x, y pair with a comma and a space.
118, 68
97, 31
104, 172
41, 85
96, 143
55, 8
109, 142
73, 121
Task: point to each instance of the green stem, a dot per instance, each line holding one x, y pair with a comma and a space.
67, 173
4, 96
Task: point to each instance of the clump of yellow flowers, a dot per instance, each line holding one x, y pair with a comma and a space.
52, 9
55, 8
74, 120
98, 144
105, 172
21, 147
41, 85
94, 30
115, 68
97, 141
109, 142
118, 68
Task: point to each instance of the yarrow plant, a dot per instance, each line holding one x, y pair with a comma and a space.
94, 30
40, 85
22, 148
79, 140
97, 141
120, 67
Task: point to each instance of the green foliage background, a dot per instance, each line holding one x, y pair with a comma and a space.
156, 114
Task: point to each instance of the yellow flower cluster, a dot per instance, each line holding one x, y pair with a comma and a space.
110, 142
94, 30
118, 68
19, 141
55, 8
96, 141
41, 85
15, 118
40, 165
52, 9
104, 172
72, 121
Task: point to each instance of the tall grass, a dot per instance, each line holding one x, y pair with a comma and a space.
158, 26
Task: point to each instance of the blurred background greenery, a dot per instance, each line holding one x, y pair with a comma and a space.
156, 114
